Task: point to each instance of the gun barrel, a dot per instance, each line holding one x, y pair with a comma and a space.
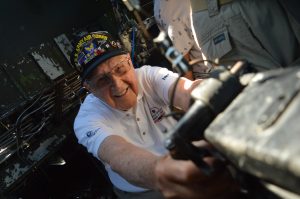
211, 97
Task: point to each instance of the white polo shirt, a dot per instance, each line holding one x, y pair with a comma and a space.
143, 125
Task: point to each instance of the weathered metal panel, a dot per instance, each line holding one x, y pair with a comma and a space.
51, 61
65, 45
11, 95
28, 76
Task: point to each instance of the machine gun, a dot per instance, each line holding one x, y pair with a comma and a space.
251, 120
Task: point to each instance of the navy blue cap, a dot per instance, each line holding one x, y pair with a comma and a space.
94, 48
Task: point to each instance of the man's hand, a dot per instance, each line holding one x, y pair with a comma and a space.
183, 179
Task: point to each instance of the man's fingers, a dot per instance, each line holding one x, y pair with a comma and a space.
183, 179
184, 170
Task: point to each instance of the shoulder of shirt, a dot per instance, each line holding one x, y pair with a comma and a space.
148, 67
92, 105
147, 71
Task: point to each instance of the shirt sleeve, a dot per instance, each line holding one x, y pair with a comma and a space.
157, 81
90, 129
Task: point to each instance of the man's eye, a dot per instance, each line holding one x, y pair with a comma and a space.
120, 70
102, 81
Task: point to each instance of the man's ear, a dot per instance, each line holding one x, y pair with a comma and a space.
87, 86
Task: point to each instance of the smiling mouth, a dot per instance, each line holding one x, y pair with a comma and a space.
122, 94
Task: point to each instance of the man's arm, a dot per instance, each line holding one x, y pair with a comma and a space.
133, 163
189, 74
182, 93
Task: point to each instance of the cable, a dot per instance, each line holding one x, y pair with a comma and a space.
196, 61
133, 45
20, 119
173, 113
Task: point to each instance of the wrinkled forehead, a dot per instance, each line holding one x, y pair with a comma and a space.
108, 64
112, 62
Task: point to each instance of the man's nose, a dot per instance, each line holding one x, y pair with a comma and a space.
116, 81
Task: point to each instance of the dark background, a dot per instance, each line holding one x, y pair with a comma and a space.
27, 23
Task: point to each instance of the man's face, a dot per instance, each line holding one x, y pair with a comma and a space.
114, 81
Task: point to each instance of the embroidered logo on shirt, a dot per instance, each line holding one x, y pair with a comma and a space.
157, 114
91, 133
165, 77
219, 38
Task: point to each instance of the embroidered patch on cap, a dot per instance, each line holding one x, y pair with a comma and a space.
92, 49
94, 44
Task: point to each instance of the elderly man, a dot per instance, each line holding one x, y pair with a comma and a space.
122, 124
